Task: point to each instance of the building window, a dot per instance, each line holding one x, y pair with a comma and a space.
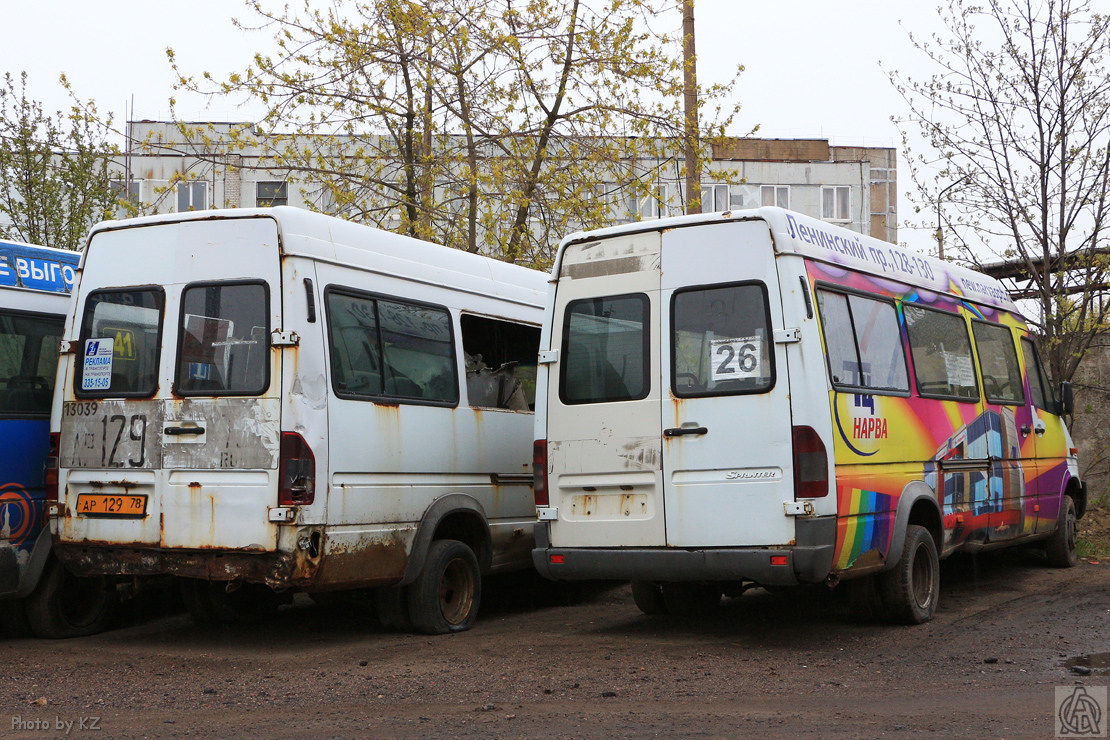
836, 203
272, 193
775, 195
126, 190
192, 196
714, 198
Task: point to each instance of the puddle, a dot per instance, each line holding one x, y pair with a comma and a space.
1096, 664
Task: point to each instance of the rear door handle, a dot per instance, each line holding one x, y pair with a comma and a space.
680, 431
184, 430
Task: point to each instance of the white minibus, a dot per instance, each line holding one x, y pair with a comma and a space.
761, 398
269, 401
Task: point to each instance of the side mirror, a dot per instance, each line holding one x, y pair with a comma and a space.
1067, 399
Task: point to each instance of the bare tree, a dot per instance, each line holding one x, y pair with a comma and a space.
1018, 118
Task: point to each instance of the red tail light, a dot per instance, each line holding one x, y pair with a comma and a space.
539, 472
297, 471
811, 464
50, 469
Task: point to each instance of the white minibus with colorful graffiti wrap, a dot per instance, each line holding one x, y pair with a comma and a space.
759, 397
268, 401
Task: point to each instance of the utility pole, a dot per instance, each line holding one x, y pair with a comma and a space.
690, 106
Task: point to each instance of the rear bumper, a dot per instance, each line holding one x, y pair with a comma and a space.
808, 561
275, 569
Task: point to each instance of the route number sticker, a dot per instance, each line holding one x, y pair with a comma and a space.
96, 372
736, 359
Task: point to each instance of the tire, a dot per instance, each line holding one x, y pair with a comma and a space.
691, 599
64, 605
910, 591
209, 602
649, 598
445, 596
1062, 548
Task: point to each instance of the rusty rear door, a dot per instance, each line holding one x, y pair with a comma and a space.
603, 410
171, 427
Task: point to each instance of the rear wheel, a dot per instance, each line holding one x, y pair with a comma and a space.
691, 599
910, 591
1062, 548
445, 596
648, 597
65, 605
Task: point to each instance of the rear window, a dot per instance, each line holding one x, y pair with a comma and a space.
28, 363
605, 350
721, 341
223, 340
120, 338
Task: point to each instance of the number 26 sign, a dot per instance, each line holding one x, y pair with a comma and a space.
736, 359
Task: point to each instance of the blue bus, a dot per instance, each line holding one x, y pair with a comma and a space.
37, 595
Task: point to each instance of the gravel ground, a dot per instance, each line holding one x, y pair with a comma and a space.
556, 661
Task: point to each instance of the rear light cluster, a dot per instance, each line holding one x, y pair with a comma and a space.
50, 471
539, 472
811, 464
297, 472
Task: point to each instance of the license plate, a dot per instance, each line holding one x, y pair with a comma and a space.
98, 504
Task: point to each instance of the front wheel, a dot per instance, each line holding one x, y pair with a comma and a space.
910, 591
444, 597
1062, 548
65, 605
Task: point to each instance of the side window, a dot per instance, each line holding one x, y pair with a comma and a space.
121, 333
998, 363
720, 341
28, 363
605, 350
1039, 387
864, 342
224, 340
391, 349
941, 354
501, 362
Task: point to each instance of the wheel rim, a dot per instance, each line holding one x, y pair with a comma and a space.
922, 575
456, 592
1072, 532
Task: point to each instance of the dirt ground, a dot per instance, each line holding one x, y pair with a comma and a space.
559, 662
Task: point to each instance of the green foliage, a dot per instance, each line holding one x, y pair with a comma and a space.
494, 126
1017, 117
54, 182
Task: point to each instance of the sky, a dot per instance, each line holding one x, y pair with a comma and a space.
812, 66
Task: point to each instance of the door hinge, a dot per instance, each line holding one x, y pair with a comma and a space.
67, 346
788, 336
798, 508
549, 356
281, 338
547, 513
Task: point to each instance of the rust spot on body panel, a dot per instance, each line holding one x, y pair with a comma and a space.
374, 562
